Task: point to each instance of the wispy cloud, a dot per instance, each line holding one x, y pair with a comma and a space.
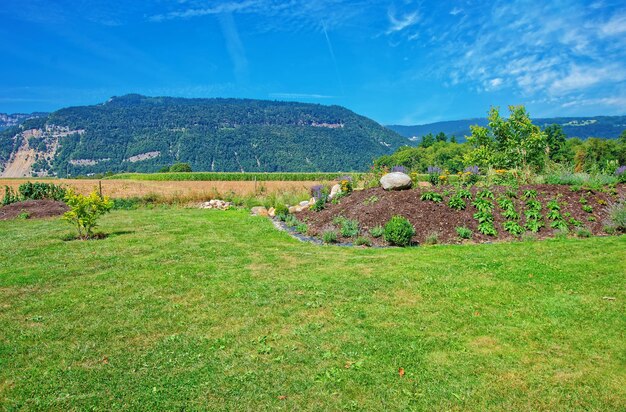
398, 23
218, 8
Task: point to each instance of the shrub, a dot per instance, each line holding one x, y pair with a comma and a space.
330, 236
23, 215
320, 204
9, 196
487, 228
399, 231
346, 184
40, 190
587, 208
434, 173
377, 231
463, 232
362, 241
85, 211
621, 174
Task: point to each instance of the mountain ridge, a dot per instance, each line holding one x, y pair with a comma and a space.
135, 133
609, 127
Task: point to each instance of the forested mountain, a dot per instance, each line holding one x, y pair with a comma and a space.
608, 127
143, 134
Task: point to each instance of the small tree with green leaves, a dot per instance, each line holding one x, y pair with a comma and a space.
85, 211
181, 168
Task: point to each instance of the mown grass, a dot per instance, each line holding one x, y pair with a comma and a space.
207, 310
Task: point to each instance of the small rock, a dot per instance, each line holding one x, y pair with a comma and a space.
304, 203
271, 212
424, 184
396, 181
311, 201
334, 190
292, 209
259, 211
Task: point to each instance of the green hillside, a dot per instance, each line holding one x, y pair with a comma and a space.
135, 133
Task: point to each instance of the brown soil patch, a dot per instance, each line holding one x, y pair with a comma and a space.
438, 218
35, 209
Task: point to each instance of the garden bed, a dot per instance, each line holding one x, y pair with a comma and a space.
436, 222
30, 209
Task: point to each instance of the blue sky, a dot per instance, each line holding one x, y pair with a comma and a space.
403, 62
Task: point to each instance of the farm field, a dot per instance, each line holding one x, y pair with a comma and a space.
208, 310
192, 190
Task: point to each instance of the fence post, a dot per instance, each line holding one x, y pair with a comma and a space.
100, 187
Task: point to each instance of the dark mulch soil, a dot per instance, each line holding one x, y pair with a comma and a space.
34, 208
438, 218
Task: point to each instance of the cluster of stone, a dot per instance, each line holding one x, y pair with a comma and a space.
216, 204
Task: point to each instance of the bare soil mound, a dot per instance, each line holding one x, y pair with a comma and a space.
34, 208
374, 207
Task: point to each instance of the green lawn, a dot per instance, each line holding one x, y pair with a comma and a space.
196, 310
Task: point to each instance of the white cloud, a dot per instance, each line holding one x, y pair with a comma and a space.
456, 11
495, 82
397, 24
616, 25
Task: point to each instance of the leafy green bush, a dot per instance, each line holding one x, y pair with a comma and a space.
587, 208
9, 196
85, 211
398, 231
330, 236
487, 228
302, 228
377, 231
281, 212
432, 239
513, 228
40, 190
583, 232
464, 233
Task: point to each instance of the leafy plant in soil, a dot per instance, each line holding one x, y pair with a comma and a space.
487, 228
529, 194
329, 236
432, 196
456, 202
362, 241
464, 194
587, 208
377, 231
483, 205
513, 227
463, 232
348, 228
399, 231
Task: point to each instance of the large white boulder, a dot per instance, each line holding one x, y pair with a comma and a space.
396, 181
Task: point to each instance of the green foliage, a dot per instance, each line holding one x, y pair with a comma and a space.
398, 231
485, 194
362, 241
432, 196
320, 204
583, 232
483, 205
33, 191
617, 217
507, 143
587, 208
85, 211
23, 215
180, 168
281, 211
302, 228
487, 228
513, 227
529, 194
330, 236
464, 233
348, 227
533, 225
9, 196
456, 202
464, 194
377, 231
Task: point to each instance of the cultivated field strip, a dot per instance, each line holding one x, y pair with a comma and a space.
191, 190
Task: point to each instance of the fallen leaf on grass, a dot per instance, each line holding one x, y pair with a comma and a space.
282, 397
104, 360
401, 372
